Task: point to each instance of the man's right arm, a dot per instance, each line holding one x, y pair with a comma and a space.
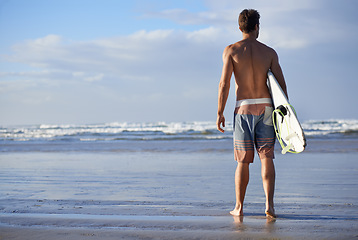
277, 72
224, 87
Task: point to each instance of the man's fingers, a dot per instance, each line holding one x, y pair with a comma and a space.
219, 127
220, 122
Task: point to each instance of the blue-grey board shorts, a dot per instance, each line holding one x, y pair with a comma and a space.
253, 128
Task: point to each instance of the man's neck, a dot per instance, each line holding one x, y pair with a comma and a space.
249, 36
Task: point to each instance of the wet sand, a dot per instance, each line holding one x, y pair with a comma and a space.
50, 226
156, 195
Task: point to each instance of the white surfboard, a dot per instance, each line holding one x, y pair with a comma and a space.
287, 127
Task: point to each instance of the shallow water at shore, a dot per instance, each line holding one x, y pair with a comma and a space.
187, 195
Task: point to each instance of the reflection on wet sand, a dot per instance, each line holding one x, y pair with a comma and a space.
253, 225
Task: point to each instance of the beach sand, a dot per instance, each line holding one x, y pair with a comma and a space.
68, 226
166, 195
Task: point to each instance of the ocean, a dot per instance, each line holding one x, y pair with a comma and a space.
154, 180
325, 135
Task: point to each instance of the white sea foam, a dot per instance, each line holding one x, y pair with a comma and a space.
327, 127
116, 129
157, 130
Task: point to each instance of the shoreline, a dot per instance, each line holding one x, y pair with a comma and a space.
75, 219
77, 226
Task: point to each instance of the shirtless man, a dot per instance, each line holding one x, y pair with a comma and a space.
250, 61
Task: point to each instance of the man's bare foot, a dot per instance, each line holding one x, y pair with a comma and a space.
270, 213
237, 212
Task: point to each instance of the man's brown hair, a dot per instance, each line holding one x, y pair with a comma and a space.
248, 19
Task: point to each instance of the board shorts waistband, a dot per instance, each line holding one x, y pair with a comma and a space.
253, 101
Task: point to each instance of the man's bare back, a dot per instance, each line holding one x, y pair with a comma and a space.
251, 61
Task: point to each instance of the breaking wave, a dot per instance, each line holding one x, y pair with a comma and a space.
158, 131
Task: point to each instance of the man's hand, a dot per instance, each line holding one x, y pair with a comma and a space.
220, 121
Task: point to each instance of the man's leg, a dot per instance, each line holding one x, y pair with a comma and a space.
241, 181
268, 181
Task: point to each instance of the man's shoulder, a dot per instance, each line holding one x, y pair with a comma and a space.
232, 47
229, 50
267, 48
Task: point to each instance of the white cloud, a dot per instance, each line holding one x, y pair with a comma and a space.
184, 16
206, 35
143, 55
49, 40
97, 77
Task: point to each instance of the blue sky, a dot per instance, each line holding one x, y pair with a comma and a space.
120, 61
